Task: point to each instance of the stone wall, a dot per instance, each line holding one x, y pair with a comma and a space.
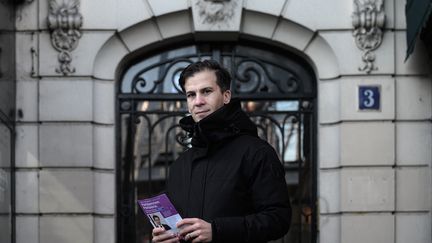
374, 167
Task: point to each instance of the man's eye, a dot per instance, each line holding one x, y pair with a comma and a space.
190, 95
207, 91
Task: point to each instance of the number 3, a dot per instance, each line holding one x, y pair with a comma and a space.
369, 101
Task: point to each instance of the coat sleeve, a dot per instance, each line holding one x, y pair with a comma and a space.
269, 194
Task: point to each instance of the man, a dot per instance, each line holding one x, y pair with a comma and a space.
159, 224
230, 185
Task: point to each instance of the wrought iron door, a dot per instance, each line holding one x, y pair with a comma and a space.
277, 90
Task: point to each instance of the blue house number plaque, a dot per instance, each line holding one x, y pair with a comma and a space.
369, 97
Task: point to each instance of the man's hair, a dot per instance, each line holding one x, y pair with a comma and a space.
155, 216
223, 77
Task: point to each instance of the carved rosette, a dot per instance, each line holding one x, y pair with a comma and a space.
368, 20
64, 23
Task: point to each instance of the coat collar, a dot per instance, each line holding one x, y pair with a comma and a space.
227, 122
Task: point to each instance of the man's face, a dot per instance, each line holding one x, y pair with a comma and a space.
157, 220
203, 94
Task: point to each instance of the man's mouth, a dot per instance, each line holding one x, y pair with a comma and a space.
200, 112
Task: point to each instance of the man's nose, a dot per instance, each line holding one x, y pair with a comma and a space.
199, 100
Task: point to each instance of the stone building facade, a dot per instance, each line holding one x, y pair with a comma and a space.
373, 166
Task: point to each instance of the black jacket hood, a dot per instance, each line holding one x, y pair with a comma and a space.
228, 121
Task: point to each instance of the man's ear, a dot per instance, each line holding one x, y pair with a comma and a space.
226, 96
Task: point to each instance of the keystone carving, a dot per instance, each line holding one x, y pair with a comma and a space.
216, 15
64, 23
368, 20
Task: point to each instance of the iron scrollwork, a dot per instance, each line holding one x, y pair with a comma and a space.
251, 76
141, 84
368, 20
64, 22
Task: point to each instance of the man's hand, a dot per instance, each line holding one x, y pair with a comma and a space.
160, 235
195, 229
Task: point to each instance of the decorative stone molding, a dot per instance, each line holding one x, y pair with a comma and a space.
217, 15
368, 20
64, 23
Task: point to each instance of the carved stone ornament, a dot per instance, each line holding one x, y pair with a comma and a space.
217, 15
64, 22
368, 20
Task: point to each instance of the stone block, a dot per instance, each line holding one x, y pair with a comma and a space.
349, 56
104, 192
5, 230
27, 193
6, 12
413, 227
26, 151
325, 15
367, 189
329, 188
43, 14
140, 35
359, 228
137, 11
100, 14
292, 34
413, 189
66, 145
108, 58
417, 63
368, 143
316, 14
66, 229
26, 61
274, 7
329, 146
104, 147
5, 155
161, 7
323, 57
104, 230
68, 191
330, 229
350, 98
103, 101
413, 98
390, 15
66, 100
400, 19
82, 58
27, 229
329, 101
175, 24
27, 101
27, 16
413, 143
258, 24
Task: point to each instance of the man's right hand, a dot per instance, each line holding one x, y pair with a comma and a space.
160, 235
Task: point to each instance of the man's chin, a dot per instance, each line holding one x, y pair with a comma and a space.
200, 116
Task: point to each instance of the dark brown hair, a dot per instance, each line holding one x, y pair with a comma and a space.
223, 77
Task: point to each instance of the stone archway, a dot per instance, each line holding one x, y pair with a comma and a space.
139, 38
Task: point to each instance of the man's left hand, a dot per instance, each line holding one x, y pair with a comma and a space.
195, 229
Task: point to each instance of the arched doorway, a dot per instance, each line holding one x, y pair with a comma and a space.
277, 89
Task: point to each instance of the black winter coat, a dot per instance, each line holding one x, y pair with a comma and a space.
231, 178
